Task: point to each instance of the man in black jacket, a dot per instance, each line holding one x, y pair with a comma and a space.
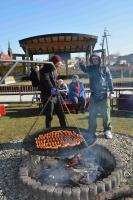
101, 87
49, 96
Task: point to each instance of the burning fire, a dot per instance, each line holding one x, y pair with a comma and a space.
58, 139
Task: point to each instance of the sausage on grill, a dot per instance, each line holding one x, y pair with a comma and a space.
58, 139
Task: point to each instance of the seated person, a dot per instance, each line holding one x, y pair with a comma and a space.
77, 93
62, 86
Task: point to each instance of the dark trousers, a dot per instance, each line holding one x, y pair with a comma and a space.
54, 106
77, 100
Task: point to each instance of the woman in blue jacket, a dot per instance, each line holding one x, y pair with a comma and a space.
77, 93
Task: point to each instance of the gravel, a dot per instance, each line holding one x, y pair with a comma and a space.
11, 155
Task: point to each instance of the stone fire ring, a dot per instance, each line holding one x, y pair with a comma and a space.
83, 192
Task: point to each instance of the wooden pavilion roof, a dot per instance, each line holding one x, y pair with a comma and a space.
58, 43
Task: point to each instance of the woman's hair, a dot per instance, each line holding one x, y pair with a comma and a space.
60, 81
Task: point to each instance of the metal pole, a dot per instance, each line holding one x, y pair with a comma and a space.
19, 61
103, 53
107, 48
26, 61
105, 36
8, 72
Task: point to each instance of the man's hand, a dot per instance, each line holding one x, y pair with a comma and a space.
54, 91
110, 95
81, 61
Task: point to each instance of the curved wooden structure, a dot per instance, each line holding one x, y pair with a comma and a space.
58, 43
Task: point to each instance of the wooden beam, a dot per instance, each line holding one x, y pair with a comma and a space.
52, 44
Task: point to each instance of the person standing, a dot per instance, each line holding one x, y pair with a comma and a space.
49, 91
101, 87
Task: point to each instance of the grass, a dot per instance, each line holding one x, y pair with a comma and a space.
20, 118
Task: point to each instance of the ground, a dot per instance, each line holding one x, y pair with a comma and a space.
20, 118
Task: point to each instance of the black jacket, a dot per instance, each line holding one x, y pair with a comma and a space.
48, 79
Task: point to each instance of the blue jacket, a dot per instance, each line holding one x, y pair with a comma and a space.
100, 79
72, 92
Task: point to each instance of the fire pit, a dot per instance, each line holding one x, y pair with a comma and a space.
76, 173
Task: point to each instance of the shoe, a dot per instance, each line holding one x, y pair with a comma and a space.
108, 134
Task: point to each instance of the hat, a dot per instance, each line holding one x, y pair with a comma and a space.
55, 59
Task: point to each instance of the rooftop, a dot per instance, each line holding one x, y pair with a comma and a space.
58, 43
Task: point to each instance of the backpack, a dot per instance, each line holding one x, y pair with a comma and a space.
34, 78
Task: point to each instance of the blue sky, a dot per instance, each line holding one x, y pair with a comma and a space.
25, 18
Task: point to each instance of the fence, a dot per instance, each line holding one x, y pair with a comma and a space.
14, 89
29, 90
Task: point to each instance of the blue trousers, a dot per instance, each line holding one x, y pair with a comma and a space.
102, 107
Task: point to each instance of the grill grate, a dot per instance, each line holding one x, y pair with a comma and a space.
58, 142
